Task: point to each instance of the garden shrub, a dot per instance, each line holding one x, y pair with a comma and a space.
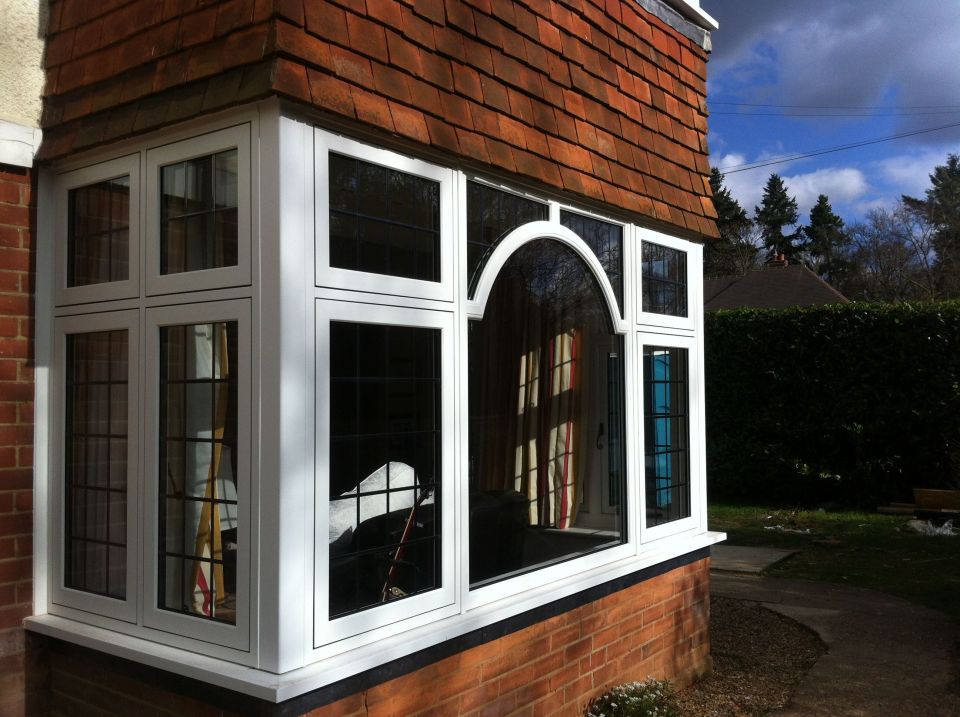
650, 698
854, 404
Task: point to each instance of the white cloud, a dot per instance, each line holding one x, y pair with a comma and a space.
841, 185
733, 159
909, 173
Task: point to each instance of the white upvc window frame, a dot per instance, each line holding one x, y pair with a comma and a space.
355, 280
237, 137
126, 166
61, 596
375, 622
696, 521
693, 321
205, 630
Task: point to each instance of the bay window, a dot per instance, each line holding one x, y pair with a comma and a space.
315, 404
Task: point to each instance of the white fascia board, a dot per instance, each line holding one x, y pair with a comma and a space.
691, 10
18, 143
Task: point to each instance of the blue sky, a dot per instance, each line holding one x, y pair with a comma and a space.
899, 58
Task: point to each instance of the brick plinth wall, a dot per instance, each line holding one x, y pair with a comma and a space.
657, 627
16, 428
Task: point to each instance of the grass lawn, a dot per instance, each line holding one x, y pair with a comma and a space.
862, 549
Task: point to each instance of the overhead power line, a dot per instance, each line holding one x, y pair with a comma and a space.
830, 150
839, 107
822, 115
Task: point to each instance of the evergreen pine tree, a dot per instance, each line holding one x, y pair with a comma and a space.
826, 237
941, 209
778, 210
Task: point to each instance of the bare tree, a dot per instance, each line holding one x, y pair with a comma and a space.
891, 257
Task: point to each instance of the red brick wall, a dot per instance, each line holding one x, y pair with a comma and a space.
17, 216
654, 628
594, 97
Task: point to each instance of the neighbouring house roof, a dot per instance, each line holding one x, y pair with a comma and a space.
773, 287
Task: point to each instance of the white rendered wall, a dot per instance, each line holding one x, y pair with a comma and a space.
21, 78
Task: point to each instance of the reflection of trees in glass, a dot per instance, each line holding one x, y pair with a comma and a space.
491, 215
383, 221
543, 385
663, 279
606, 241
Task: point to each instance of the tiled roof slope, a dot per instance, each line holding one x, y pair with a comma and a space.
774, 287
596, 97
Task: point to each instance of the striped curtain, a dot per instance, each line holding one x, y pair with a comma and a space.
545, 454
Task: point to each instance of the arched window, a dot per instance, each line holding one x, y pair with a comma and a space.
546, 399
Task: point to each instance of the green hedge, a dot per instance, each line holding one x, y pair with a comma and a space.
854, 404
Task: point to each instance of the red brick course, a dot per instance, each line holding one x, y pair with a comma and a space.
553, 668
608, 77
17, 216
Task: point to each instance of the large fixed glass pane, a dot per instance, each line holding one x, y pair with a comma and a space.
98, 233
385, 460
198, 470
95, 477
383, 221
546, 417
666, 411
606, 241
664, 280
198, 213
491, 215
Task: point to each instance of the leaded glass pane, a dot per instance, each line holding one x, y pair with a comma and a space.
491, 215
98, 233
666, 411
95, 465
664, 280
198, 470
198, 213
606, 241
383, 221
385, 459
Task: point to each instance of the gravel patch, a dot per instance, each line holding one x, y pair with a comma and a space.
759, 658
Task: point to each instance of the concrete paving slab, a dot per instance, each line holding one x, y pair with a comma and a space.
742, 559
885, 656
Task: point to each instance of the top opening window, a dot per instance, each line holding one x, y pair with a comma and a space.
97, 232
491, 215
663, 280
383, 223
198, 213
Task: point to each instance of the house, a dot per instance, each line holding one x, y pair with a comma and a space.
366, 354
778, 285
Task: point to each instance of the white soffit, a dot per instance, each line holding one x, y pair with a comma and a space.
18, 144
